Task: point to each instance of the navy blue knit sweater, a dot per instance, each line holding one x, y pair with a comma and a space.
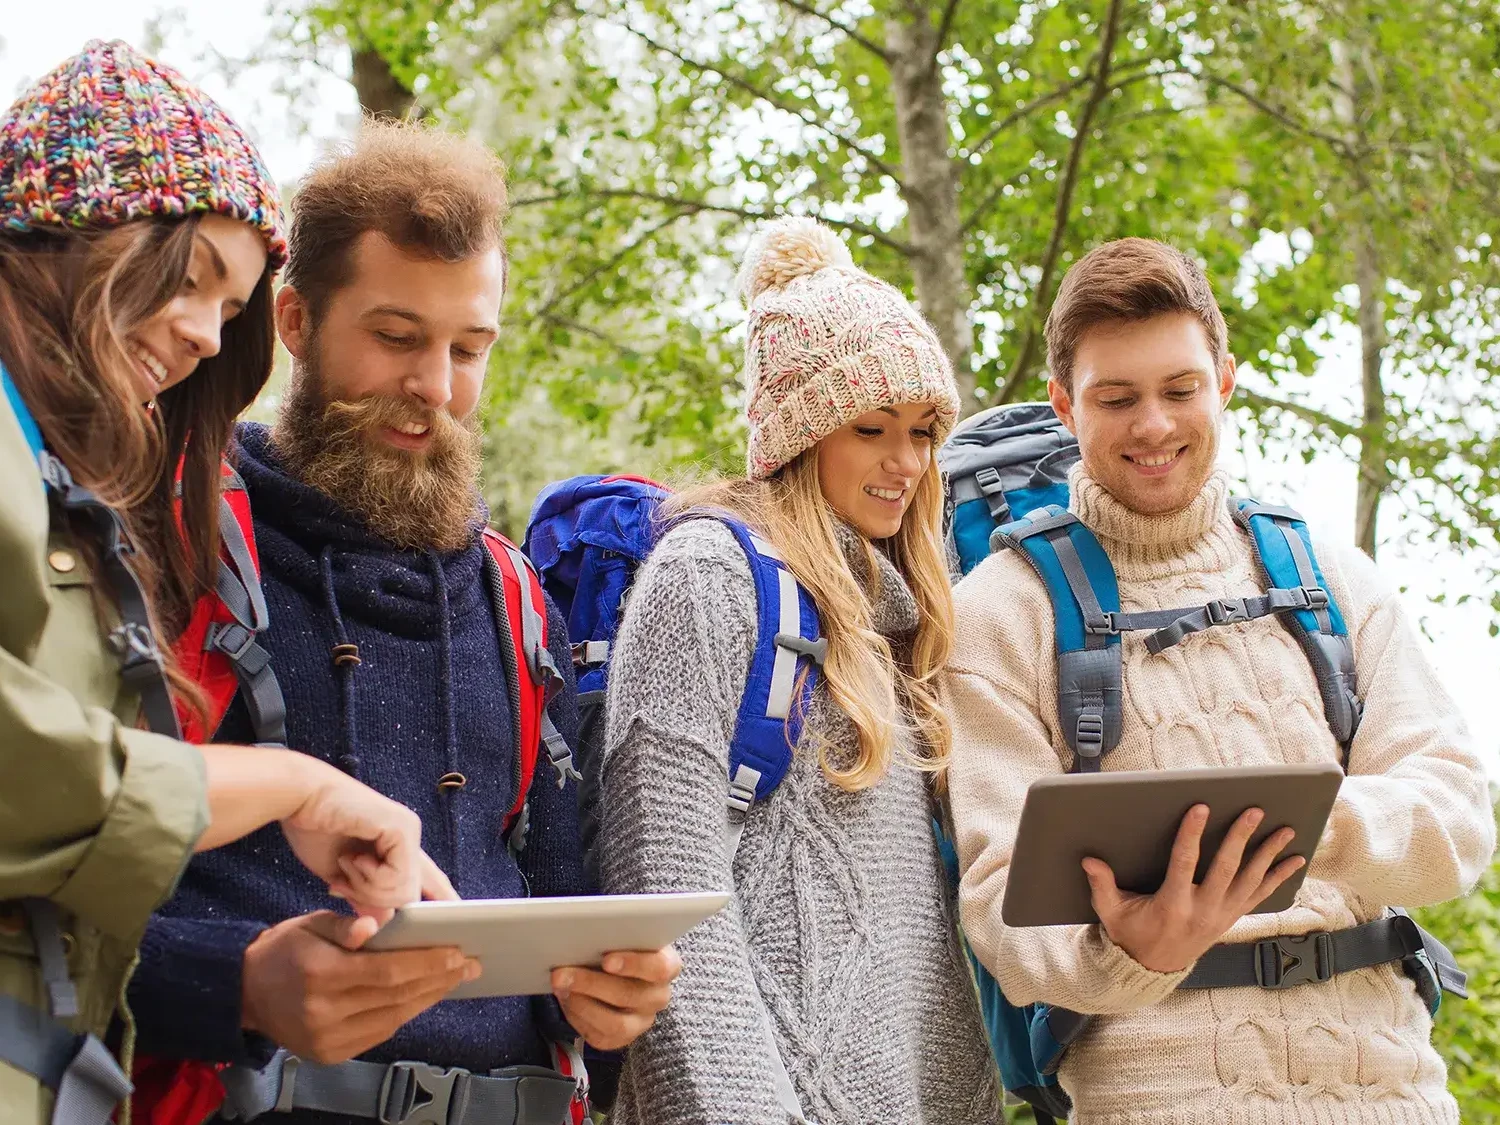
429, 696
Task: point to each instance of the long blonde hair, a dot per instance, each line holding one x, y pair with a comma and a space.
879, 689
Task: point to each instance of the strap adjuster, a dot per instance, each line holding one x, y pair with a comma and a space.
136, 647
817, 650
398, 1104
1292, 959
1089, 735
1102, 626
590, 652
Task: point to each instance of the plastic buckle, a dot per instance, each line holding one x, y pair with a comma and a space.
817, 650
1089, 735
434, 1081
1102, 626
1282, 962
1223, 612
988, 480
136, 648
1317, 597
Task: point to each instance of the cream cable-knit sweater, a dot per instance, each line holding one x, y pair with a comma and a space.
1412, 826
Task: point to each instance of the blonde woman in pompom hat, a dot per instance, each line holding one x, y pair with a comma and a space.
139, 233
831, 990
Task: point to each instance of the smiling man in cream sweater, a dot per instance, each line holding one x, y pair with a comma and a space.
1141, 373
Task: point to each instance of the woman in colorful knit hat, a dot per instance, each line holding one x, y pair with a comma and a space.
832, 988
139, 232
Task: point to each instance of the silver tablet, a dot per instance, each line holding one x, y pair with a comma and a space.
520, 941
1129, 819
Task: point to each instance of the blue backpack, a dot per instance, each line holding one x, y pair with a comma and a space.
999, 462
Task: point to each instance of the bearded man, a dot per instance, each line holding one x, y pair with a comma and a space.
385, 640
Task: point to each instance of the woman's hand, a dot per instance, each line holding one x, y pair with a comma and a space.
614, 1008
367, 848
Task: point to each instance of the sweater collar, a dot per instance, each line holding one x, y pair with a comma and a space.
893, 607
1202, 536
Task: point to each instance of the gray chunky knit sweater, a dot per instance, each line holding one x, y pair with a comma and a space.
841, 922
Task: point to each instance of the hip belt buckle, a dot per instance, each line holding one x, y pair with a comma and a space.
400, 1100
1282, 962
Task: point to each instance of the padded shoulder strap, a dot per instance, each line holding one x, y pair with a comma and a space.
1283, 550
1080, 581
789, 649
526, 615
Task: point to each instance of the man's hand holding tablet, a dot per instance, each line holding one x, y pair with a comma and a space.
1168, 931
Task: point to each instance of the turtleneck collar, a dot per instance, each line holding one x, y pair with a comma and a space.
893, 607
1201, 536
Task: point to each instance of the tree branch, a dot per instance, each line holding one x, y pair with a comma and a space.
1064, 202
1337, 143
693, 206
838, 25
945, 25
1338, 426
610, 263
1024, 112
771, 99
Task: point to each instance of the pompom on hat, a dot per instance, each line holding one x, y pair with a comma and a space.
826, 343
111, 136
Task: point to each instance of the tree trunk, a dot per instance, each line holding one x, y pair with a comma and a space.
1374, 476
930, 189
381, 93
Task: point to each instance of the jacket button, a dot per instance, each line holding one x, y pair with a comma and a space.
64, 562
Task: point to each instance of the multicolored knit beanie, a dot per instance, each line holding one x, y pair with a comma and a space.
111, 136
826, 343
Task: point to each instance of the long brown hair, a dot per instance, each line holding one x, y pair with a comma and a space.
68, 300
878, 688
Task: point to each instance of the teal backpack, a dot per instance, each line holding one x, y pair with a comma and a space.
1007, 488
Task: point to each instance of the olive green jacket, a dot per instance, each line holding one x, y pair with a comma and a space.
95, 814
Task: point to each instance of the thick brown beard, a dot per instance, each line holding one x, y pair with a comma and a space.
413, 500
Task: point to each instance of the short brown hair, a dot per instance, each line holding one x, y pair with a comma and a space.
429, 192
1130, 279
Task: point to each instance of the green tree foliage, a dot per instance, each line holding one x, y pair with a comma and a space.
1467, 1032
971, 150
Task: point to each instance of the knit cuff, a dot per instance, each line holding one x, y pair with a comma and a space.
1130, 979
186, 992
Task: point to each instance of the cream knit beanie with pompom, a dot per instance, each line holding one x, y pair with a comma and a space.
826, 343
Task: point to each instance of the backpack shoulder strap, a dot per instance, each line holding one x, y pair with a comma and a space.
1080, 581
220, 648
1283, 551
789, 649
525, 612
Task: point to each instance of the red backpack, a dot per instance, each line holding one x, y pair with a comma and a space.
219, 650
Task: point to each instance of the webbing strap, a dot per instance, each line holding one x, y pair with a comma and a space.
86, 1080
133, 641
741, 797
1094, 621
46, 935
1305, 573
248, 602
1225, 611
533, 624
786, 1093
258, 684
784, 671
558, 753
401, 1093
1281, 962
